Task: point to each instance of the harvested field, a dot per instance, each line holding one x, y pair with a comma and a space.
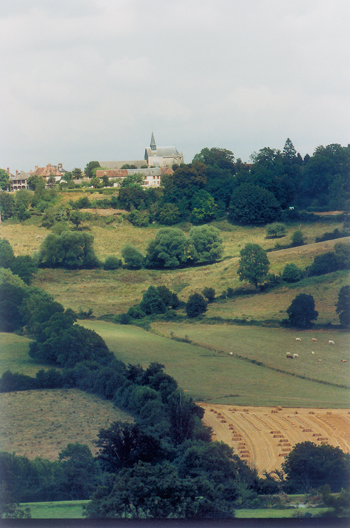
42, 423
263, 436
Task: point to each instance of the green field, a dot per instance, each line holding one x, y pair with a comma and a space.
74, 510
14, 355
213, 375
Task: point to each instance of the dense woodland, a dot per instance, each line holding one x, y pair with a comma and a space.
165, 464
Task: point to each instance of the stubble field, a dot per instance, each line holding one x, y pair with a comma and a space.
263, 436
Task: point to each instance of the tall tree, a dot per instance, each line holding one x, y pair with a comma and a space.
253, 264
302, 311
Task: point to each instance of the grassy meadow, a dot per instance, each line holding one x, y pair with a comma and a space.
212, 375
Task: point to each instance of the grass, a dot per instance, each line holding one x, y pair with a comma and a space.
74, 510
214, 376
42, 423
55, 510
14, 355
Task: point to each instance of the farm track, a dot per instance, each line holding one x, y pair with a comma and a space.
263, 436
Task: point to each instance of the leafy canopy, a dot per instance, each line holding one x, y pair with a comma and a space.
253, 264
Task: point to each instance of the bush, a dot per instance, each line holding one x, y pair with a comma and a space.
205, 244
68, 250
342, 253
291, 273
112, 263
322, 264
343, 306
136, 312
297, 238
169, 214
152, 302
133, 258
7, 256
196, 305
275, 230
139, 218
251, 204
168, 250
209, 294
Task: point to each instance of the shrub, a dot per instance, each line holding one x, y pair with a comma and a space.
342, 253
209, 294
251, 204
136, 312
133, 258
275, 230
168, 250
196, 305
297, 238
322, 264
152, 302
7, 256
139, 218
112, 263
169, 214
68, 250
205, 244
291, 273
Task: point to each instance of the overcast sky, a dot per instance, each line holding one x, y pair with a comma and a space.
87, 80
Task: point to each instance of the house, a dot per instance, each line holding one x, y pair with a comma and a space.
162, 156
152, 176
19, 181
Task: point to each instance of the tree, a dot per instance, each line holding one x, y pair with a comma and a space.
302, 311
77, 174
298, 238
342, 254
169, 214
152, 302
196, 305
7, 205
253, 264
291, 273
11, 298
132, 180
275, 230
133, 258
4, 180
205, 244
325, 263
209, 294
96, 183
251, 204
123, 444
76, 217
89, 168
168, 249
216, 157
25, 267
7, 256
68, 250
203, 207
79, 472
309, 466
343, 306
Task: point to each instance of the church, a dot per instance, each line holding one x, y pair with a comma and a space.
155, 157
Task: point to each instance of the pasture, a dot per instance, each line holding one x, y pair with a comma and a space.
210, 374
42, 423
14, 355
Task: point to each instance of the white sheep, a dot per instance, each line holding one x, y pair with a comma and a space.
331, 342
312, 352
313, 339
297, 339
295, 355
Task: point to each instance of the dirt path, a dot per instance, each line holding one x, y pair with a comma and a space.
263, 436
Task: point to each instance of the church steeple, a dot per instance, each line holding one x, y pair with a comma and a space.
153, 143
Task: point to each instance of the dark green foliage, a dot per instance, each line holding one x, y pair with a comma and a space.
133, 258
168, 215
196, 305
7, 256
217, 157
124, 444
205, 244
112, 263
68, 250
209, 294
253, 264
79, 472
291, 273
183, 414
64, 344
139, 218
309, 466
89, 168
302, 311
332, 235
152, 302
342, 254
168, 250
25, 268
275, 230
340, 502
131, 197
4, 180
251, 204
325, 263
7, 205
298, 238
343, 306
11, 299
136, 312
203, 207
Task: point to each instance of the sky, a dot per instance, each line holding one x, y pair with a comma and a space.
89, 80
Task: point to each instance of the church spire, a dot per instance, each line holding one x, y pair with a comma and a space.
153, 143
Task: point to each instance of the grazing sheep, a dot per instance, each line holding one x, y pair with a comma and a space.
344, 360
331, 342
297, 339
295, 355
231, 353
289, 355
313, 339
319, 360
312, 352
